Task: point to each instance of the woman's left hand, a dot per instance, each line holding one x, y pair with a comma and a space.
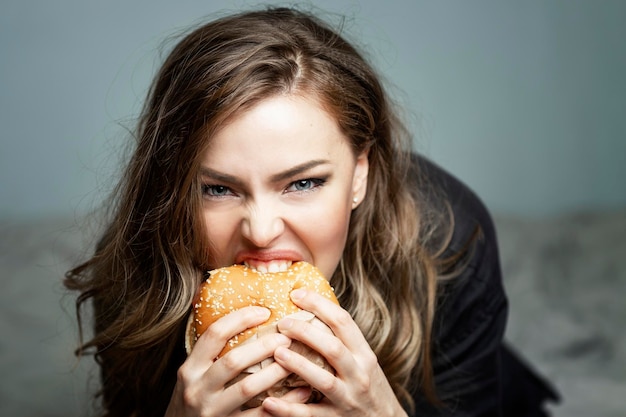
359, 387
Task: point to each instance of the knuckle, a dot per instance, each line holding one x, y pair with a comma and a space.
334, 350
230, 361
215, 333
343, 318
363, 383
272, 341
183, 373
329, 385
187, 387
352, 404
189, 396
370, 361
246, 388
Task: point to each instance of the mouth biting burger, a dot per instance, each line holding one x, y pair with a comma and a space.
234, 287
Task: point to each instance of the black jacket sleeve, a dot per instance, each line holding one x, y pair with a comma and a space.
470, 362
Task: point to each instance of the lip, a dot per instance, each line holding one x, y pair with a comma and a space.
268, 256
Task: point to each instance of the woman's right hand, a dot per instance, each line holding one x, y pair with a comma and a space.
201, 381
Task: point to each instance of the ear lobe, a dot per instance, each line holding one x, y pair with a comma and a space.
359, 181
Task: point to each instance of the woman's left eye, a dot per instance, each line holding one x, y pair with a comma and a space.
305, 184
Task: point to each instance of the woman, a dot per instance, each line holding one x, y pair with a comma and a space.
267, 139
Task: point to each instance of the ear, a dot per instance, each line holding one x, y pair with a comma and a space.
359, 180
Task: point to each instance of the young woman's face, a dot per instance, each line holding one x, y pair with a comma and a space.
279, 184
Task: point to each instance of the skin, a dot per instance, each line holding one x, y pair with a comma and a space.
280, 182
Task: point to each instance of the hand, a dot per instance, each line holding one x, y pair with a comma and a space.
359, 387
202, 385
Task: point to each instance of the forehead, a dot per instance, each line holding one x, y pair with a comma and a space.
278, 128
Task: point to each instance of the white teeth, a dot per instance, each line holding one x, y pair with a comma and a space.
271, 267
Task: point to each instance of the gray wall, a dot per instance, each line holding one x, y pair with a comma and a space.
525, 101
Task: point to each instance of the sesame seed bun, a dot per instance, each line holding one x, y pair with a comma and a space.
231, 288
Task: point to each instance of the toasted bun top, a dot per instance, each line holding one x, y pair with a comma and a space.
234, 287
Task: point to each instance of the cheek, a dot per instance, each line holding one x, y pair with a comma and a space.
327, 232
219, 231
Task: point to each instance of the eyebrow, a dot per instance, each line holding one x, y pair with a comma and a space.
281, 176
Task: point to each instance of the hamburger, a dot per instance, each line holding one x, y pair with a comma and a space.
231, 288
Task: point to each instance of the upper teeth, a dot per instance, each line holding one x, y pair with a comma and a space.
272, 266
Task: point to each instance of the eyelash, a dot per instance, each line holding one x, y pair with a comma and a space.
209, 190
314, 182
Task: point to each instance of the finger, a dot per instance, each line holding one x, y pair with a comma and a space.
298, 395
316, 376
347, 366
247, 385
247, 354
213, 340
278, 407
335, 317
251, 385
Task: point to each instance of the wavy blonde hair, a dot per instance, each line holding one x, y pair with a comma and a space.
145, 270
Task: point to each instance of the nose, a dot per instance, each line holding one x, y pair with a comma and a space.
262, 224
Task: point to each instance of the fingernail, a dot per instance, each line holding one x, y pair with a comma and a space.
270, 404
304, 394
281, 339
261, 311
298, 294
285, 324
282, 353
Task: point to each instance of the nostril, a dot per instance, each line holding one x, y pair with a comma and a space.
261, 228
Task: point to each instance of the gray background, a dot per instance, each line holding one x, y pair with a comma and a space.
525, 101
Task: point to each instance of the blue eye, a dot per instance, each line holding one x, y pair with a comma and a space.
216, 190
307, 184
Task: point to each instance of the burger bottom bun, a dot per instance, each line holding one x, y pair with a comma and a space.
290, 382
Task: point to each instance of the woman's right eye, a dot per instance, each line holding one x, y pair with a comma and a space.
210, 190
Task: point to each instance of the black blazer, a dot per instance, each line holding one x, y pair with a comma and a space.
476, 374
